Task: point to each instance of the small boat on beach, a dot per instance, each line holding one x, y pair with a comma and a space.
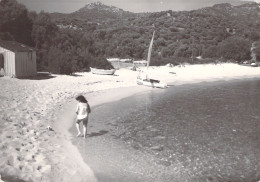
252, 64
102, 71
144, 80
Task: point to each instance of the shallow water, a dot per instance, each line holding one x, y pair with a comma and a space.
211, 130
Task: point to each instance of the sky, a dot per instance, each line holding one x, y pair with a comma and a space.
69, 6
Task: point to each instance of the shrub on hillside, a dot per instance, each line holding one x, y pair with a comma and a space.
161, 61
235, 48
257, 51
207, 60
101, 63
210, 52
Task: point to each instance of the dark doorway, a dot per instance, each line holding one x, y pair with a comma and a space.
2, 61
2, 65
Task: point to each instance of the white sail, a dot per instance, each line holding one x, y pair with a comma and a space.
150, 52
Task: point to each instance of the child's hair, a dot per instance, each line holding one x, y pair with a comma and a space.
82, 99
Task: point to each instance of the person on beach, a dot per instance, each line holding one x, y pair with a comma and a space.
82, 111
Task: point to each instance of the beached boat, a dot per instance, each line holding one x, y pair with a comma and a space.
145, 80
102, 71
252, 64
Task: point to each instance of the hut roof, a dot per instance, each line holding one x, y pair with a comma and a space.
15, 46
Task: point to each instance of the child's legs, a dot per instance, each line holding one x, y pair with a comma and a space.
85, 124
77, 125
84, 131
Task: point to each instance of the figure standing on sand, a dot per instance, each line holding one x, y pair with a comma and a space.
82, 111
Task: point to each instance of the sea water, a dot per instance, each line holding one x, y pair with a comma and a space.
211, 129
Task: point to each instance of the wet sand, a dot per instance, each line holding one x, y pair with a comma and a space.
112, 160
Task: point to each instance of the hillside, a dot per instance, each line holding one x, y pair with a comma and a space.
72, 42
128, 34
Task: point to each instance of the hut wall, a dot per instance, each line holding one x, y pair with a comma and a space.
25, 64
9, 62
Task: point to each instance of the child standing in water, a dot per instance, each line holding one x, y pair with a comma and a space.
82, 111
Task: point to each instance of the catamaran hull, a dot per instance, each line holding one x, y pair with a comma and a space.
152, 84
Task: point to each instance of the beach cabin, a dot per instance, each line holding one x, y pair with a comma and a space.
17, 60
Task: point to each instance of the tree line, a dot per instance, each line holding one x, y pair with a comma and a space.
209, 33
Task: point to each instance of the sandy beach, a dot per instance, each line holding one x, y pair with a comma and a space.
36, 115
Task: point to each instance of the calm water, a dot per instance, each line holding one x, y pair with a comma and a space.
210, 129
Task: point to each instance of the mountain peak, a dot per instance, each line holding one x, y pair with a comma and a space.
223, 5
95, 5
100, 6
98, 10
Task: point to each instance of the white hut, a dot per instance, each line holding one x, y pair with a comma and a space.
17, 60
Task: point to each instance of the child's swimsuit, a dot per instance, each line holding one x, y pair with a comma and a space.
82, 113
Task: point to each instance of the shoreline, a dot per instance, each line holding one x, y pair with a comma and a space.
33, 153
98, 147
110, 157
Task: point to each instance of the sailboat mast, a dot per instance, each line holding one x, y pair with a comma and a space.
150, 52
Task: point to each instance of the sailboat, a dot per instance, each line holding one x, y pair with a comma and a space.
146, 80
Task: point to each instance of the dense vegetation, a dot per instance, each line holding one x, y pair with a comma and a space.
73, 42
58, 50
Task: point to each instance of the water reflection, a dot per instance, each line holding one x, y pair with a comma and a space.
206, 127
